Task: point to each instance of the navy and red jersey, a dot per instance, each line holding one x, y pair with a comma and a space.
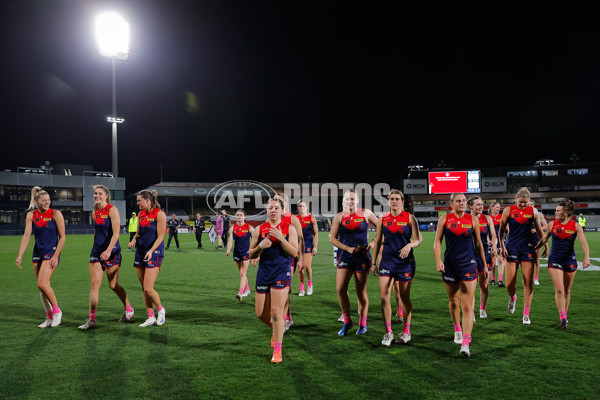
45, 232
459, 240
307, 230
241, 238
103, 232
520, 224
354, 229
484, 232
563, 241
273, 260
287, 218
148, 232
397, 233
497, 219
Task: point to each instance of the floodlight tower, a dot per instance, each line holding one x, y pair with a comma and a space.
112, 33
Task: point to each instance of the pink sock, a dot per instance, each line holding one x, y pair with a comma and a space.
49, 314
388, 327
93, 315
241, 291
301, 286
55, 309
563, 314
310, 283
286, 318
481, 306
513, 297
466, 340
277, 346
160, 308
535, 277
151, 314
492, 277
128, 308
457, 328
400, 314
526, 311
499, 277
346, 317
363, 321
246, 287
406, 329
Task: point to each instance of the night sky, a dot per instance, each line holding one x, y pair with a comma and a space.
276, 91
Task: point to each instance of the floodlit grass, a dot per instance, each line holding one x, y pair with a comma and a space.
213, 346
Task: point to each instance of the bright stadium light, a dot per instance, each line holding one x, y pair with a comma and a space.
112, 33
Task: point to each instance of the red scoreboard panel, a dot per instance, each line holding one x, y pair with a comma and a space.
445, 182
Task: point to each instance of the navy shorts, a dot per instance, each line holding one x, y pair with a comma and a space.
517, 256
401, 273
568, 264
240, 256
114, 259
155, 261
36, 259
357, 263
281, 281
453, 274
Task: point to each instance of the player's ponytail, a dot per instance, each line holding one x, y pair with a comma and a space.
36, 193
568, 207
151, 195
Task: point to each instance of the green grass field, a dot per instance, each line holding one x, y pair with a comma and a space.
214, 347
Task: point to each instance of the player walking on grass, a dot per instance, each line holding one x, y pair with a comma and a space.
562, 262
105, 255
520, 219
240, 233
497, 257
401, 233
489, 243
48, 227
275, 242
349, 233
459, 267
538, 252
150, 251
310, 235
298, 261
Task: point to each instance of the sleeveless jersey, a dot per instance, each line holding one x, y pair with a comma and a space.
497, 220
241, 238
520, 223
459, 240
148, 232
103, 232
484, 233
563, 241
397, 233
353, 229
307, 229
273, 260
45, 232
287, 218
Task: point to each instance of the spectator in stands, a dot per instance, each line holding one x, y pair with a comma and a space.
198, 229
173, 224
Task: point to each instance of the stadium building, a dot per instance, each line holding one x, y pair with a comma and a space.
70, 189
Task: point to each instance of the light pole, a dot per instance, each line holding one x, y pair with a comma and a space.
112, 33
